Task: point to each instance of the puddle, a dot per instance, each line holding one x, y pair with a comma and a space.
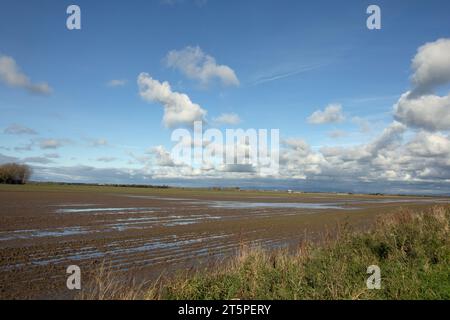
157, 198
167, 221
249, 205
74, 205
117, 249
27, 234
112, 210
116, 224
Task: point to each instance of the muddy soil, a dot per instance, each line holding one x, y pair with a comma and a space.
147, 232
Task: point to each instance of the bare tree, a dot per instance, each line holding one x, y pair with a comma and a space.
14, 173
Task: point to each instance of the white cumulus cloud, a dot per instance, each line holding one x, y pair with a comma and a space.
163, 157
178, 107
429, 112
421, 107
427, 144
331, 114
431, 65
197, 65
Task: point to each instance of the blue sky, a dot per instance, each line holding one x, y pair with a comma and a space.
290, 58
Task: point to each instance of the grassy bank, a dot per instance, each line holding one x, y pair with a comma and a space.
411, 249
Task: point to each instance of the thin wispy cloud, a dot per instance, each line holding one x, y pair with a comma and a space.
370, 99
53, 143
227, 118
52, 155
24, 147
106, 159
336, 134
292, 73
40, 160
116, 83
5, 158
17, 129
101, 142
11, 75
363, 124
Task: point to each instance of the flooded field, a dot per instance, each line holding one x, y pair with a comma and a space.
143, 232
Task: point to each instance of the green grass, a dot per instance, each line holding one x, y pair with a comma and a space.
412, 250
174, 191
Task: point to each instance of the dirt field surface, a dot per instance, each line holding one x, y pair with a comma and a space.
144, 232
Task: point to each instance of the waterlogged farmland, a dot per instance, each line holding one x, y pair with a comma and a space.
146, 232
